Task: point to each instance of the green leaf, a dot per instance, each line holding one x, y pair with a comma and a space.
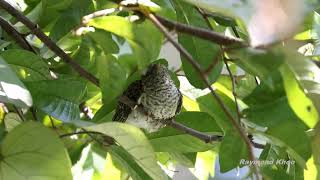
59, 98
242, 9
172, 140
27, 65
68, 43
70, 18
123, 159
307, 77
208, 103
112, 77
12, 89
259, 62
232, 150
205, 52
134, 141
298, 101
11, 120
144, 39
105, 41
283, 127
166, 10
26, 154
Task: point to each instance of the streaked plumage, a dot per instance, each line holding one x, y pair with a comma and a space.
157, 94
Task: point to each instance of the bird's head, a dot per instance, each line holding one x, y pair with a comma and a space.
156, 70
156, 74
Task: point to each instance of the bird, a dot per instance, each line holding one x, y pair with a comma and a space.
157, 94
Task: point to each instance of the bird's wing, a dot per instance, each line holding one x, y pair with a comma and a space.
133, 92
179, 103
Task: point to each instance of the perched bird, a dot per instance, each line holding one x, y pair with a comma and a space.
157, 94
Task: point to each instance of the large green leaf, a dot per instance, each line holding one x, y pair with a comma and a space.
283, 127
144, 39
31, 151
232, 150
205, 52
12, 89
135, 143
299, 102
172, 140
70, 18
123, 159
27, 65
105, 41
59, 98
232, 147
112, 77
307, 77
259, 62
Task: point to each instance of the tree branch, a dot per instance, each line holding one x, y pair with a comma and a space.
48, 42
205, 137
10, 30
201, 33
197, 67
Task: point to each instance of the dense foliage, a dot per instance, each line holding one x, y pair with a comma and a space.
262, 62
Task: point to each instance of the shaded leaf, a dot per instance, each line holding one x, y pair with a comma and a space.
205, 52
283, 126
27, 65
59, 98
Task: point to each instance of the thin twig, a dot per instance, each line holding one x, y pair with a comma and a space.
48, 42
214, 62
233, 82
52, 122
19, 112
201, 33
197, 67
19, 38
205, 137
34, 113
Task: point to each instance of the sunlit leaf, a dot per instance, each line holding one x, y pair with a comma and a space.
26, 154
11, 121
126, 162
134, 141
144, 39
12, 89
112, 77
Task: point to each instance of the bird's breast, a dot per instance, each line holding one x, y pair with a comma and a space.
161, 103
